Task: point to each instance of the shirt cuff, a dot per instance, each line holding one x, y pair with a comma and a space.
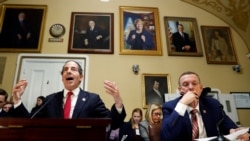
18, 104
119, 110
181, 108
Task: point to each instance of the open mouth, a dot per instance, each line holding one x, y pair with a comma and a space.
69, 78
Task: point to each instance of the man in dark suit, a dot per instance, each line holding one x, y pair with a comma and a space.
181, 40
3, 99
155, 96
94, 36
177, 126
84, 104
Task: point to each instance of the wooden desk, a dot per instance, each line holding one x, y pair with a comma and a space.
18, 129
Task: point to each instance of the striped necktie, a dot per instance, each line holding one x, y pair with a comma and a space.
195, 127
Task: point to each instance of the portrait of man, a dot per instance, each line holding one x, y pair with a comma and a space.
218, 45
91, 33
182, 39
182, 36
155, 88
21, 28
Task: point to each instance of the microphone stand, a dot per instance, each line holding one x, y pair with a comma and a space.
220, 136
45, 104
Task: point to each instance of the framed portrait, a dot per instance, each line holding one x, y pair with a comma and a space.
154, 88
242, 99
139, 31
218, 45
91, 33
22, 27
182, 37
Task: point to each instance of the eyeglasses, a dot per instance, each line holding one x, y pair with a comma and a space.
157, 114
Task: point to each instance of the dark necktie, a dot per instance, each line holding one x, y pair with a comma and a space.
195, 127
67, 106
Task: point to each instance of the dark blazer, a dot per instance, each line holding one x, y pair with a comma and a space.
3, 114
178, 128
126, 129
179, 42
137, 43
91, 36
88, 105
153, 98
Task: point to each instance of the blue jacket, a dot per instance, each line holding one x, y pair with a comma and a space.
178, 128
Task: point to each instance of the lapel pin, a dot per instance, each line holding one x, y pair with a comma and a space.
83, 99
204, 111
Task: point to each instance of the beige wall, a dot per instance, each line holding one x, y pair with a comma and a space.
118, 67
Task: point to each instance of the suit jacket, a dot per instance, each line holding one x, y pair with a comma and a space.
137, 43
3, 113
178, 128
88, 105
179, 42
153, 98
91, 36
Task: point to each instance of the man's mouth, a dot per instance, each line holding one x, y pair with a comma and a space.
69, 78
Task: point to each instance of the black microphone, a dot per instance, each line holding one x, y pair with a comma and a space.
220, 136
42, 106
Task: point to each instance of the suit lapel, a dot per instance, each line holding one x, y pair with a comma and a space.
58, 104
189, 125
82, 98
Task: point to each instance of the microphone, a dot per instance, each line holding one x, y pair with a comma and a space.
45, 104
220, 136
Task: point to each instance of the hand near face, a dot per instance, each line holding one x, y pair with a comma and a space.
18, 90
189, 98
112, 89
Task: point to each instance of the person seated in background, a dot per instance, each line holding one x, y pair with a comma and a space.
7, 106
192, 115
3, 99
128, 131
73, 102
39, 103
153, 117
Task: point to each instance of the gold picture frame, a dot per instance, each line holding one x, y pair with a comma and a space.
18, 35
144, 42
218, 45
83, 39
191, 38
150, 81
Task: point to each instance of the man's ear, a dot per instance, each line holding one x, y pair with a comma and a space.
179, 90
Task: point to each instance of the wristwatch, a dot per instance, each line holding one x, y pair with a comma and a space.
57, 30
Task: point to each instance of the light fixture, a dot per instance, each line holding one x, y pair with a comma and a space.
104, 0
135, 68
236, 68
248, 55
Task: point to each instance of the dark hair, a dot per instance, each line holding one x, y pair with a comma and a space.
79, 66
41, 97
4, 93
188, 73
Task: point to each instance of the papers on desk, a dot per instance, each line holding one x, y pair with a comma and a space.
231, 137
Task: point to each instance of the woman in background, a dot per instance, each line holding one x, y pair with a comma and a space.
150, 127
128, 131
39, 103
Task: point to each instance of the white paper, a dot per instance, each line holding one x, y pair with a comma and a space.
234, 135
231, 137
